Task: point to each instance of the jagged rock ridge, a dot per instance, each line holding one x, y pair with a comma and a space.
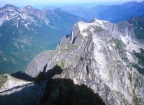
100, 55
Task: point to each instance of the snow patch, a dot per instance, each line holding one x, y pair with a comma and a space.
26, 26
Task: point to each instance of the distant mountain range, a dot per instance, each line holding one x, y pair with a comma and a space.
112, 13
24, 32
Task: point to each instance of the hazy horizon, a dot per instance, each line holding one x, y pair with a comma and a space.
57, 3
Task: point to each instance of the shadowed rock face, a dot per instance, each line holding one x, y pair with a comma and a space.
45, 91
100, 55
65, 92
137, 23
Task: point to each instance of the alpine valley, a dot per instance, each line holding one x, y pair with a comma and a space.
25, 32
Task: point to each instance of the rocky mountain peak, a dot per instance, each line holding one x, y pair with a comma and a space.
8, 7
100, 55
97, 20
82, 27
29, 7
58, 10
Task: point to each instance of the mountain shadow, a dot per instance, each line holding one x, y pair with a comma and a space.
45, 90
41, 76
23, 76
65, 92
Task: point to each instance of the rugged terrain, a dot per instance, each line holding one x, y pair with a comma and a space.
100, 57
25, 32
103, 56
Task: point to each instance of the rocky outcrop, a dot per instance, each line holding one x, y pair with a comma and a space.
16, 91
99, 55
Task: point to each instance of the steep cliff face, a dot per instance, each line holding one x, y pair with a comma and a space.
100, 55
